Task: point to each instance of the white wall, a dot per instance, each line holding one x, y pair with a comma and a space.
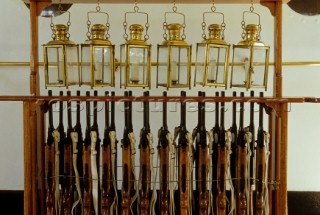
299, 44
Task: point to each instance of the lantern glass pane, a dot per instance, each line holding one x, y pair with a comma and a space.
179, 65
102, 65
123, 65
72, 65
162, 65
216, 64
259, 66
138, 65
56, 74
200, 68
86, 65
241, 65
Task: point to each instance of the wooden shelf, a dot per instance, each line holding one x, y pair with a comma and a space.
40, 99
162, 1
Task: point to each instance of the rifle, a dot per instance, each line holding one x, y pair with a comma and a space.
126, 160
87, 183
68, 182
183, 161
216, 132
251, 129
145, 173
242, 168
234, 132
202, 160
222, 166
261, 164
77, 154
163, 148
108, 191
95, 152
50, 164
60, 153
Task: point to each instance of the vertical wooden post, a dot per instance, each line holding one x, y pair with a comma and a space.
27, 161
41, 160
283, 203
280, 203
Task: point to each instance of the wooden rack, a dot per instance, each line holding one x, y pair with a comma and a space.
34, 115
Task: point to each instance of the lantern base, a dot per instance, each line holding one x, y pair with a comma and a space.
134, 81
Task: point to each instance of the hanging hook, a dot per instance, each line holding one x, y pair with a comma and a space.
136, 8
174, 6
98, 8
251, 8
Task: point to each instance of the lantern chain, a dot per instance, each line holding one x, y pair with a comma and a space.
53, 36
125, 25
88, 27
203, 25
223, 28
165, 35
107, 30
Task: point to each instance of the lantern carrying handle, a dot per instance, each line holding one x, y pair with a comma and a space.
165, 23
203, 24
98, 11
60, 12
136, 12
243, 23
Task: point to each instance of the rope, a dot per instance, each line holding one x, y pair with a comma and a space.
248, 139
112, 137
228, 137
172, 152
191, 158
153, 176
56, 137
74, 137
94, 171
133, 152
211, 139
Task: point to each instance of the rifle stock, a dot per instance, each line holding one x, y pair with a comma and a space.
201, 160
261, 165
242, 170
106, 188
126, 161
222, 166
145, 174
163, 148
50, 164
251, 129
234, 133
183, 169
87, 182
216, 132
68, 182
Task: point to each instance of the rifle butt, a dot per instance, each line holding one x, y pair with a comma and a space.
260, 185
183, 180
222, 175
242, 172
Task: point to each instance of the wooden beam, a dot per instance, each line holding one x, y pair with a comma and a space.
283, 203
164, 1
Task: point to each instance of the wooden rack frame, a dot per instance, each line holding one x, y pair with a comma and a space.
34, 115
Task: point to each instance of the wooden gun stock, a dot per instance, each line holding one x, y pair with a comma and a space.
50, 164
222, 166
261, 166
163, 148
242, 170
183, 169
107, 194
202, 166
87, 182
126, 162
234, 134
145, 173
68, 177
214, 188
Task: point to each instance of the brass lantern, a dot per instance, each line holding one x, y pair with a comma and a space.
212, 57
174, 57
61, 58
135, 56
250, 60
97, 57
